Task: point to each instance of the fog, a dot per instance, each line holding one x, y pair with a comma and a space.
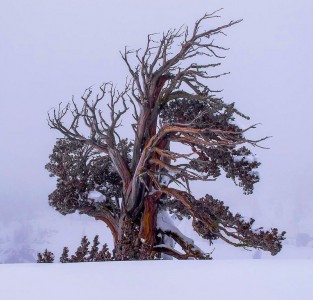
51, 50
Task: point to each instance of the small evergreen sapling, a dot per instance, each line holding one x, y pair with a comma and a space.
45, 257
82, 251
94, 249
64, 257
104, 254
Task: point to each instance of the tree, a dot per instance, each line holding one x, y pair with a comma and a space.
45, 257
134, 184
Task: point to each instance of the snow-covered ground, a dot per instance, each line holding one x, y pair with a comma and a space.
219, 279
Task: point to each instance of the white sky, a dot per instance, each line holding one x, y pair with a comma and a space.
50, 50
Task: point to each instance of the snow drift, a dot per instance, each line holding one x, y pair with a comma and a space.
220, 279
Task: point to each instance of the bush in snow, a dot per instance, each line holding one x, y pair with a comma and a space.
82, 254
45, 257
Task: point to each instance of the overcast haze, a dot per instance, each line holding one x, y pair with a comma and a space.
51, 50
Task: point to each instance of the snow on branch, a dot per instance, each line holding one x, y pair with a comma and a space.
166, 226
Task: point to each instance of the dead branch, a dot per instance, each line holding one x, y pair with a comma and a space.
102, 131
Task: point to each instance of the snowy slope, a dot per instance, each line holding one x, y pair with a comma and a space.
220, 279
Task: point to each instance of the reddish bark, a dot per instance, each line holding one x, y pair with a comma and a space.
112, 224
147, 232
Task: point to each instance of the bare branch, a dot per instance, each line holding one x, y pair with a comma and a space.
101, 132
